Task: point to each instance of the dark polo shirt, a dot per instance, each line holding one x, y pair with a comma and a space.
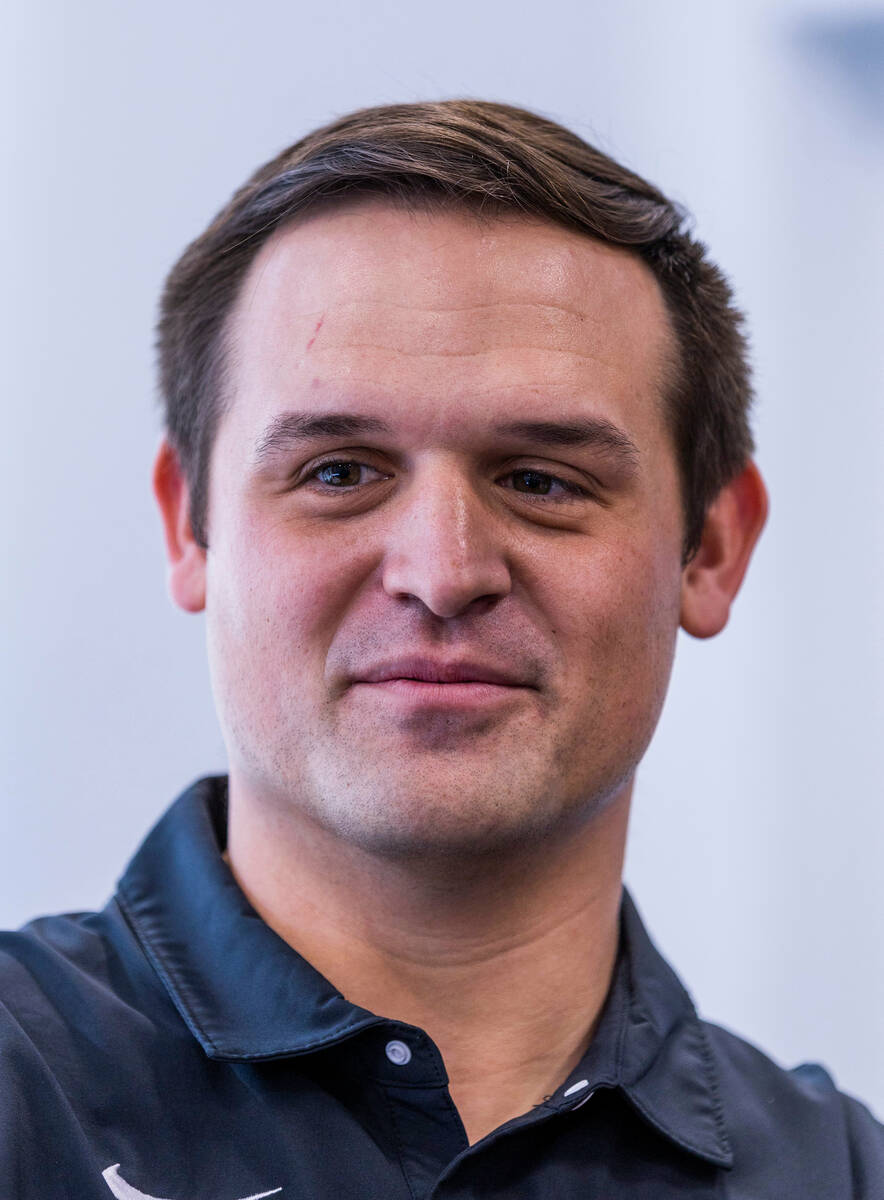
173, 1046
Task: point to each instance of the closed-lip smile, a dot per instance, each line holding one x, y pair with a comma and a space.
420, 669
423, 684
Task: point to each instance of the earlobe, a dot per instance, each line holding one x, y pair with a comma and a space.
187, 560
712, 578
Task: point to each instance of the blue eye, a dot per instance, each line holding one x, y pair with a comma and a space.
339, 474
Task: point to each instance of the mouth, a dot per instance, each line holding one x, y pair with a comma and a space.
428, 683
432, 671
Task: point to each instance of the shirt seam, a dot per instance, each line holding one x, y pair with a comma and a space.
712, 1079
164, 971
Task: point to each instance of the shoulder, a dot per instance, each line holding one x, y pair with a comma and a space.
51, 973
77, 996
54, 962
46, 965
82, 972
58, 977
796, 1119
78, 1001
46, 942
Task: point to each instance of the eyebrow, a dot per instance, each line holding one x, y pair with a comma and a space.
291, 428
586, 431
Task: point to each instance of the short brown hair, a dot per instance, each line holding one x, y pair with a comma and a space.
492, 158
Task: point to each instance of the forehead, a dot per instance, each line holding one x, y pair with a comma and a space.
445, 316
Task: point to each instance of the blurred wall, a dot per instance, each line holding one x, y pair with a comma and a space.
757, 830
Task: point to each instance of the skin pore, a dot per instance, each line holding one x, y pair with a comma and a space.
444, 458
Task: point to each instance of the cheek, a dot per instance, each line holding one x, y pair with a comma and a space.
617, 620
276, 596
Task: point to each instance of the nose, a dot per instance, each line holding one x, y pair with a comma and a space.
445, 547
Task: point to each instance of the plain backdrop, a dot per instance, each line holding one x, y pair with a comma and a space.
756, 837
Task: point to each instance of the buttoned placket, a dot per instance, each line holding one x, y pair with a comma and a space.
430, 1136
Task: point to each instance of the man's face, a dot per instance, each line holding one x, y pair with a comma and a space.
442, 589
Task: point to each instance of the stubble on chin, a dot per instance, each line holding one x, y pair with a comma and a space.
429, 794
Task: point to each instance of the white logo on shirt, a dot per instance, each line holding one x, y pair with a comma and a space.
125, 1191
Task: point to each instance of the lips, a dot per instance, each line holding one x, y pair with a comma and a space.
429, 670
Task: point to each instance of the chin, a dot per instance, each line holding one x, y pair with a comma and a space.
449, 815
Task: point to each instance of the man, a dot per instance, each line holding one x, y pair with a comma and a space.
456, 439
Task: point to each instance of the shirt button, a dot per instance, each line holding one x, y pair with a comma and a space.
398, 1053
577, 1087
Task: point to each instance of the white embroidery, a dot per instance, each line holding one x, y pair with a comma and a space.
125, 1191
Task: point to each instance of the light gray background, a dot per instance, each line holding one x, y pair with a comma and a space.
757, 831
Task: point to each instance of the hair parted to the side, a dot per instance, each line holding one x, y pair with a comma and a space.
495, 159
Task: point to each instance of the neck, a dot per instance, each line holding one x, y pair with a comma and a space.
504, 964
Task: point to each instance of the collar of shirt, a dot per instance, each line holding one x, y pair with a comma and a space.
247, 996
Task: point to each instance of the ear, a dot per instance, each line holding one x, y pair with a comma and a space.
712, 578
187, 560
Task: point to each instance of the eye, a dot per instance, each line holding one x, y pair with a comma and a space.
540, 483
342, 473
